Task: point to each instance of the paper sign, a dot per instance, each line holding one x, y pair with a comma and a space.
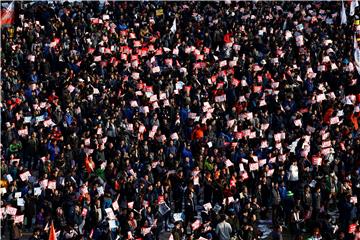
196, 225
163, 208
37, 191
110, 213
9, 178
178, 217
112, 225
320, 97
100, 190
262, 162
196, 180
156, 69
257, 89
20, 202
254, 166
162, 96
115, 205
221, 98
316, 161
19, 219
174, 136
229, 200
153, 98
223, 63
25, 176
27, 119
23, 132
334, 120
18, 195
11, 210
51, 185
252, 135
130, 127
326, 144
48, 123
3, 190
40, 118
207, 206
270, 172
244, 160
130, 205
228, 163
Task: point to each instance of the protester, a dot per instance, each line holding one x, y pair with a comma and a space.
196, 120
223, 228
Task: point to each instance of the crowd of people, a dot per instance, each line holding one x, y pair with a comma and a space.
180, 120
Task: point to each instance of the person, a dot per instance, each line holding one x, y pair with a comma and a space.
36, 234
234, 222
276, 200
316, 235
15, 231
177, 232
189, 208
276, 234
317, 203
223, 229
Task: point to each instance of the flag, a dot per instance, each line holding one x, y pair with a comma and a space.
173, 27
353, 5
343, 14
7, 15
52, 235
356, 55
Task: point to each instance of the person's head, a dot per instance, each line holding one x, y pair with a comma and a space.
148, 209
316, 232
341, 235
178, 225
77, 209
299, 237
36, 232
278, 228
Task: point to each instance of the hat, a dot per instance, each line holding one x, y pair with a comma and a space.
290, 194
